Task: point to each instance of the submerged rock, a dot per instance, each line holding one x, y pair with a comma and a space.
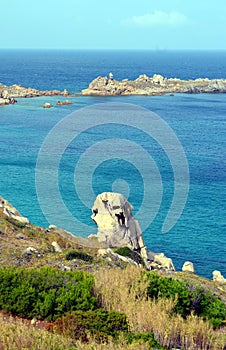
47, 105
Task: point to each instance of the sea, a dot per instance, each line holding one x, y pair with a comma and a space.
54, 162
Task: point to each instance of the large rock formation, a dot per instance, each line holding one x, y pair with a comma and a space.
118, 228
156, 85
116, 225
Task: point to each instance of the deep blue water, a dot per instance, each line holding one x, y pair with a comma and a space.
198, 121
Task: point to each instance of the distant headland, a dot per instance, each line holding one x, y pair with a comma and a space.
156, 85
151, 86
8, 94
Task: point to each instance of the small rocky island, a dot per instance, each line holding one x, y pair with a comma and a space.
8, 94
151, 86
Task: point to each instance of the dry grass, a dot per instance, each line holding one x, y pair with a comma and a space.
120, 290
15, 335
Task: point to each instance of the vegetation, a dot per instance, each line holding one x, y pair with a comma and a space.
45, 293
99, 323
110, 308
187, 300
129, 253
75, 254
126, 291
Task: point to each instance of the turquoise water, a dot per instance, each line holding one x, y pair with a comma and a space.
197, 120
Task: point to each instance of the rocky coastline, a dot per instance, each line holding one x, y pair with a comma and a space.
23, 243
8, 94
156, 85
152, 86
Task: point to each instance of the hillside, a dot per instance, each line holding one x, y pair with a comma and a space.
118, 286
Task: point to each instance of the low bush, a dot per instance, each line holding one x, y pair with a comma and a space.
129, 253
188, 299
45, 293
75, 254
100, 324
147, 338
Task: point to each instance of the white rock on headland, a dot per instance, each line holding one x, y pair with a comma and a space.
56, 247
116, 225
12, 212
188, 267
118, 228
217, 276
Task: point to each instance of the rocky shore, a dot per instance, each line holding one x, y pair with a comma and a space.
8, 94
151, 86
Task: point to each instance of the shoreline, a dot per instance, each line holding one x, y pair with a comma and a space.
157, 85
8, 94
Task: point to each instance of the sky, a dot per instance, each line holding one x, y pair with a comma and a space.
113, 24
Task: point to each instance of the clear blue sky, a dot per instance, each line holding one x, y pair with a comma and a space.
113, 24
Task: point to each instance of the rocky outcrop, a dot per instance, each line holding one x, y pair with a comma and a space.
118, 228
110, 255
160, 262
156, 85
63, 103
8, 94
12, 212
47, 105
188, 267
116, 225
218, 277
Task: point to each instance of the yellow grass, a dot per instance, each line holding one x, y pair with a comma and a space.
15, 335
120, 290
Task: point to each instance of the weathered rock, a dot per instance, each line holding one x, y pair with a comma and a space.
112, 256
52, 227
47, 105
156, 85
188, 267
162, 262
116, 225
111, 76
4, 101
30, 251
217, 276
56, 247
62, 103
5, 94
20, 236
12, 212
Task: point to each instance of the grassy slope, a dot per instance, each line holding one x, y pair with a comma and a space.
16, 238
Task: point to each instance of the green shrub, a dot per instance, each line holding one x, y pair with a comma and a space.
74, 254
99, 323
146, 338
208, 306
45, 293
188, 299
129, 253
